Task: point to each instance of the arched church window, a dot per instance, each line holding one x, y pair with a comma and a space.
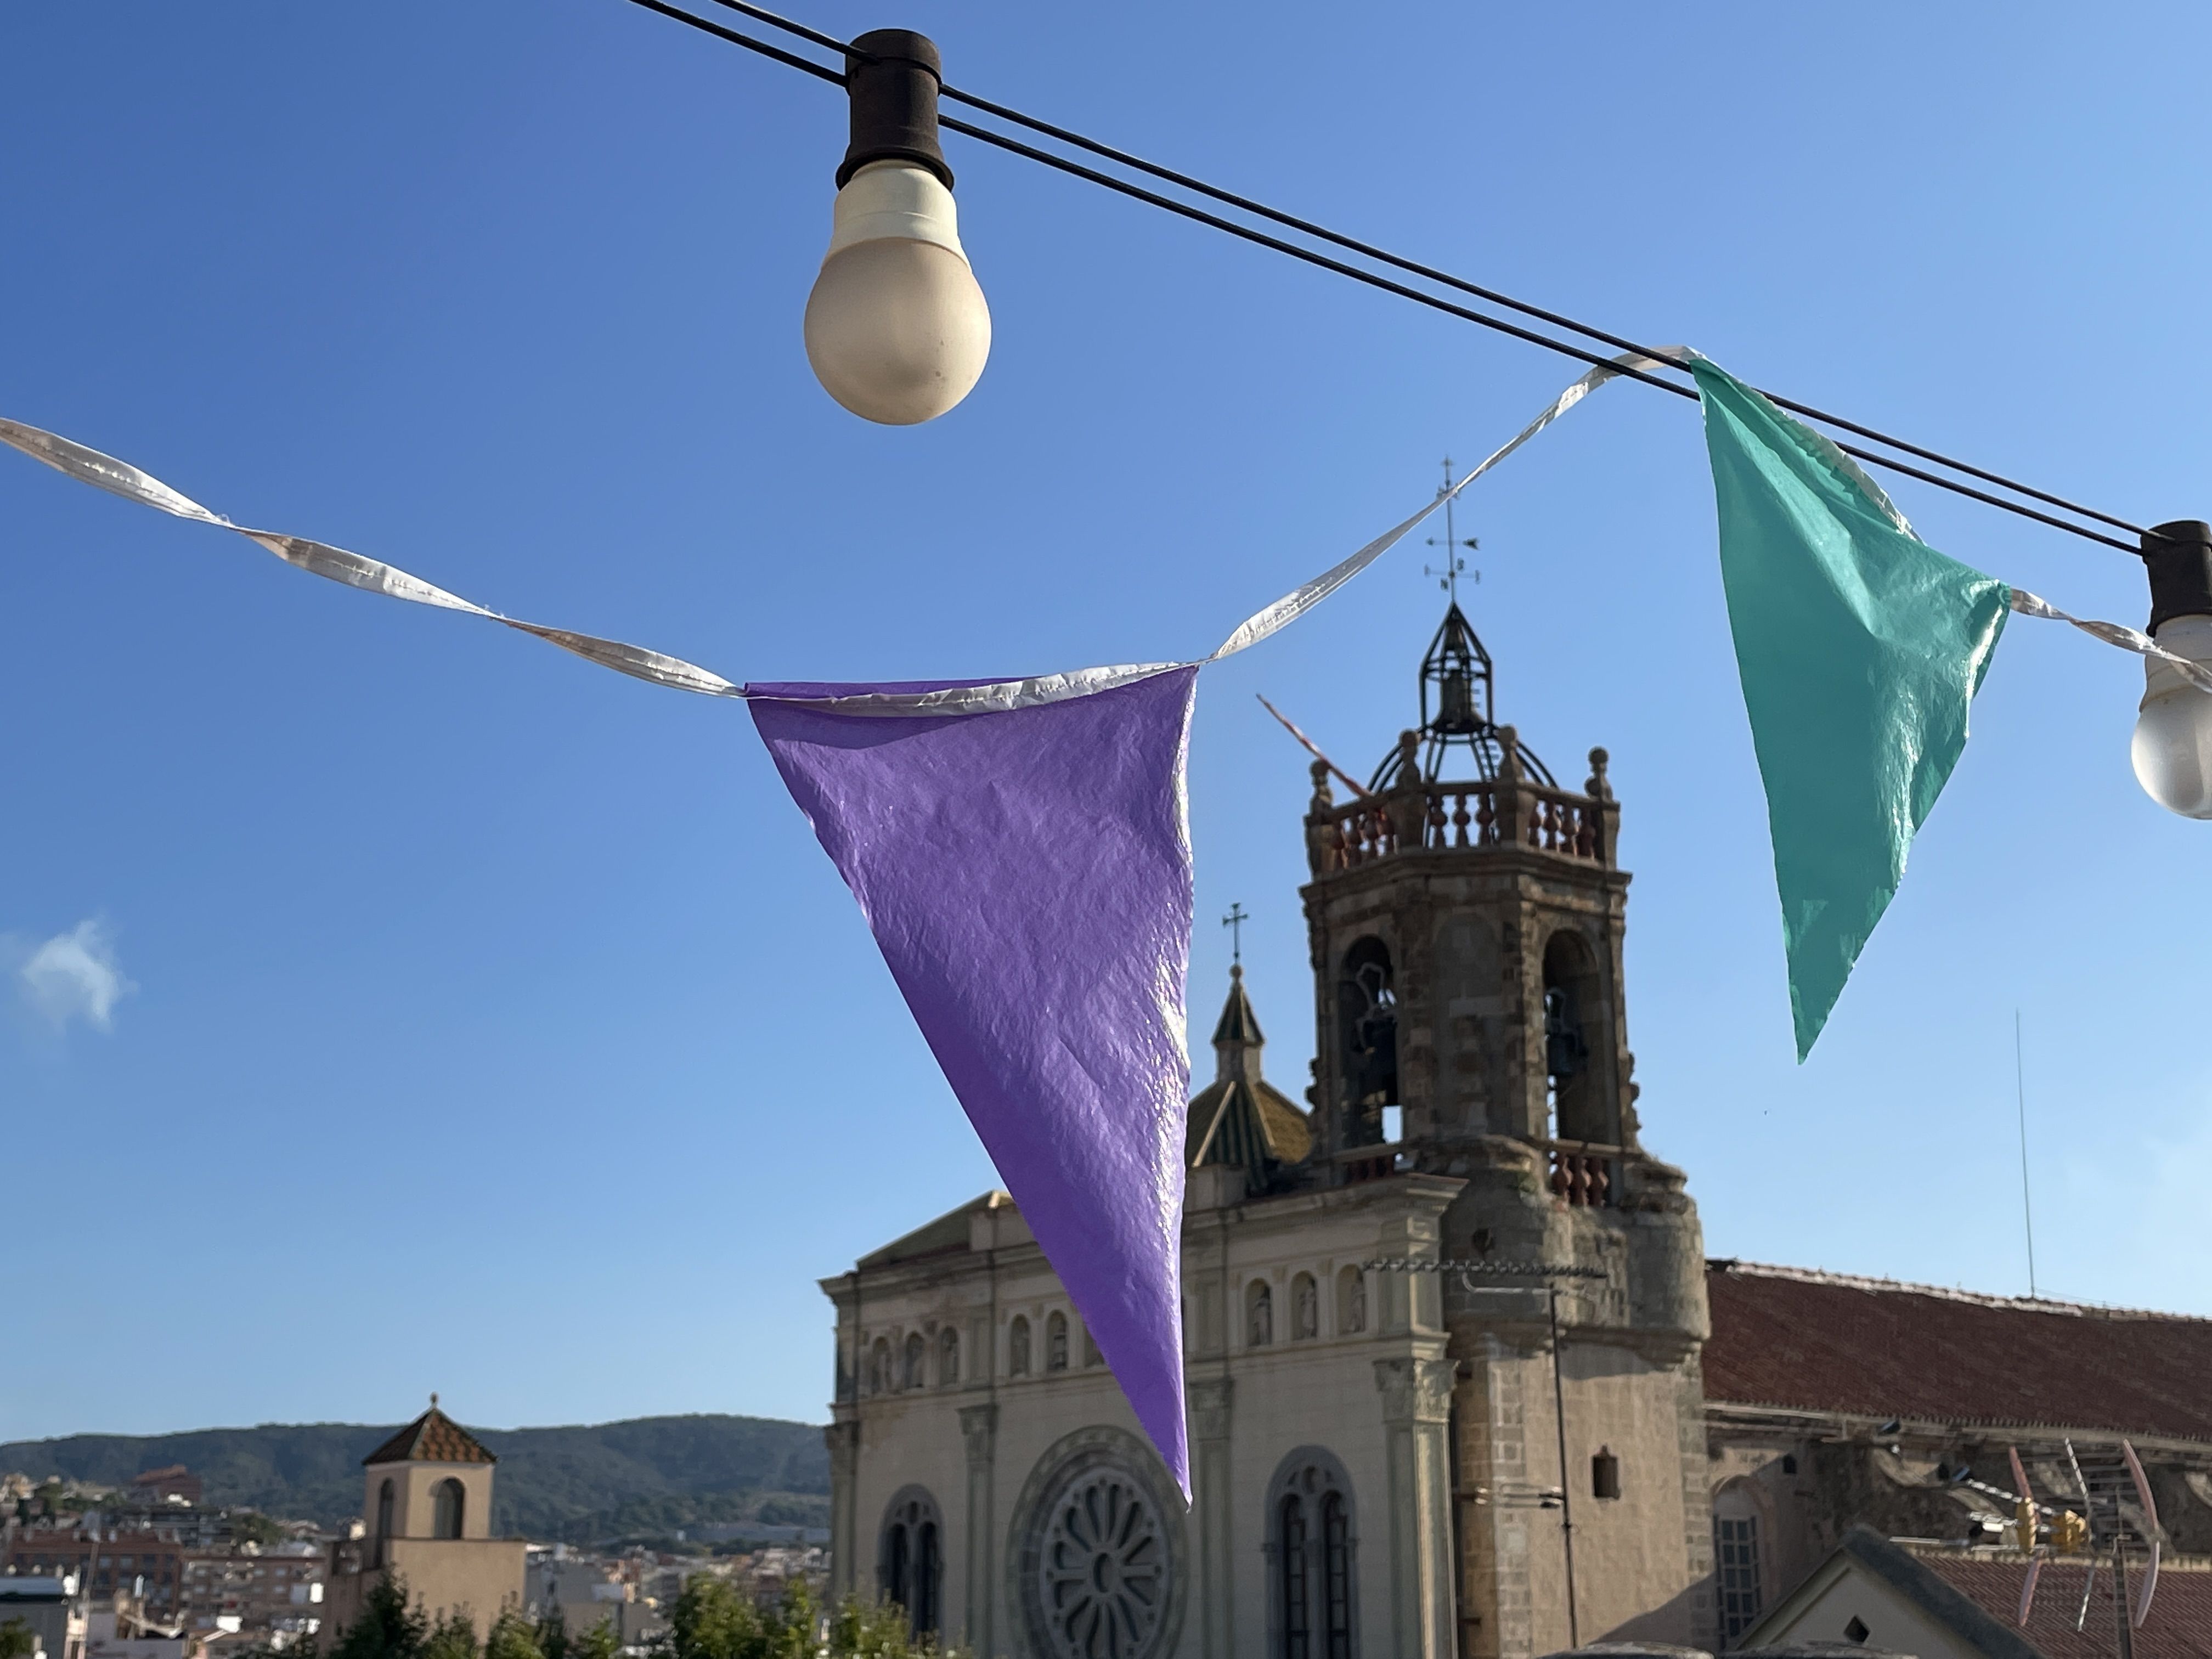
948, 1357
1017, 1347
1367, 1035
1351, 1302
879, 1366
448, 1504
917, 1361
1259, 1313
1305, 1308
1055, 1342
1336, 1575
929, 1580
1297, 1602
910, 1560
1311, 1542
384, 1502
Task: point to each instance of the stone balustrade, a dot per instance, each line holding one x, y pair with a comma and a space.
1509, 811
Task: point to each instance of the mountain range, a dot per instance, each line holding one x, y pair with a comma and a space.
644, 1477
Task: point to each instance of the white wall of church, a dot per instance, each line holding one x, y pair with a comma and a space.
1283, 1322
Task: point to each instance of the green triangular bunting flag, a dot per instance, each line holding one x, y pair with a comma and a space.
1860, 648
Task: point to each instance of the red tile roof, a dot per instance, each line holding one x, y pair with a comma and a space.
433, 1437
2180, 1625
1824, 1342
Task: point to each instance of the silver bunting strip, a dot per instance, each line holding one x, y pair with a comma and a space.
354, 569
371, 575
2118, 633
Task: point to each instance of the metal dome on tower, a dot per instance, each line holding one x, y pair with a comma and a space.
1456, 690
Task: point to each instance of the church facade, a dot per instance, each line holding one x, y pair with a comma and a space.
1443, 1322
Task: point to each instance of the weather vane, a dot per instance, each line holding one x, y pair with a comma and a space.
1455, 566
1234, 921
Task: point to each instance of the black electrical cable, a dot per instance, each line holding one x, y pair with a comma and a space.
1384, 284
1305, 227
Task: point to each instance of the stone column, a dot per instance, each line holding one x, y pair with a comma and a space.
843, 1438
1416, 1409
979, 1427
1209, 1424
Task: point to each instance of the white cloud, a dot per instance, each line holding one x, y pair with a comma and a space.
74, 976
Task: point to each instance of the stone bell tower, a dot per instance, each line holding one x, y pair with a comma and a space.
1465, 916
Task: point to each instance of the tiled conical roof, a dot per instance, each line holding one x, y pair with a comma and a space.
1241, 1118
433, 1437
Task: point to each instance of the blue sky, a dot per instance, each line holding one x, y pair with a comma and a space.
480, 1021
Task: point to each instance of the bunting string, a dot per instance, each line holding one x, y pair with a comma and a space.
2115, 633
355, 570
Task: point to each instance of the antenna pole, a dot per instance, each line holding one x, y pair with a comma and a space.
2120, 1598
2026, 1205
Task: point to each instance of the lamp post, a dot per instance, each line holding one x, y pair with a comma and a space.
896, 328
2172, 746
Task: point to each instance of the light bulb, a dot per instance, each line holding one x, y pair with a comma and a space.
2172, 746
896, 328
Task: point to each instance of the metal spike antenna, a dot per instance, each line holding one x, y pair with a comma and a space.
1455, 566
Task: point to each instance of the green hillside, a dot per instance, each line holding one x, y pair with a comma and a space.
649, 1476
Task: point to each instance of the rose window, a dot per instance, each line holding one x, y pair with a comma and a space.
1103, 1567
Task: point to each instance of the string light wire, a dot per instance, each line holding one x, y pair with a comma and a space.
1245, 204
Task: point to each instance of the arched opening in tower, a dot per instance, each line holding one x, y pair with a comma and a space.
1575, 1094
1367, 1024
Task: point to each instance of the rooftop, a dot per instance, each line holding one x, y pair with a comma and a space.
433, 1437
2180, 1625
1797, 1339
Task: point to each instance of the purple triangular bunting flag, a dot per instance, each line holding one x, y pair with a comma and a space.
1026, 871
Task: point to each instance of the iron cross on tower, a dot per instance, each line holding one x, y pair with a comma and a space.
1455, 566
1234, 921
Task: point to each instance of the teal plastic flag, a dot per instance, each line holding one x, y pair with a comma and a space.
1860, 648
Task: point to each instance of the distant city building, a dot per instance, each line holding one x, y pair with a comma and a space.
44, 1604
751, 1531
109, 1634
147, 1566
173, 1484
590, 1591
278, 1588
428, 1513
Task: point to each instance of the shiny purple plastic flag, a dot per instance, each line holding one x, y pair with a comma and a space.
1027, 874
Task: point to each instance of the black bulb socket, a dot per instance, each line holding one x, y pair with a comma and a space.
891, 79
2179, 556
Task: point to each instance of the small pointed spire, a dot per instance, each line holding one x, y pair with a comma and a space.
1236, 1038
434, 1399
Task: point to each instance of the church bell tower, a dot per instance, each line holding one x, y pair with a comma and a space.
1465, 916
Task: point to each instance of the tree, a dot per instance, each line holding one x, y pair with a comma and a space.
601, 1642
552, 1632
512, 1636
389, 1627
252, 1527
452, 1638
712, 1619
17, 1640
